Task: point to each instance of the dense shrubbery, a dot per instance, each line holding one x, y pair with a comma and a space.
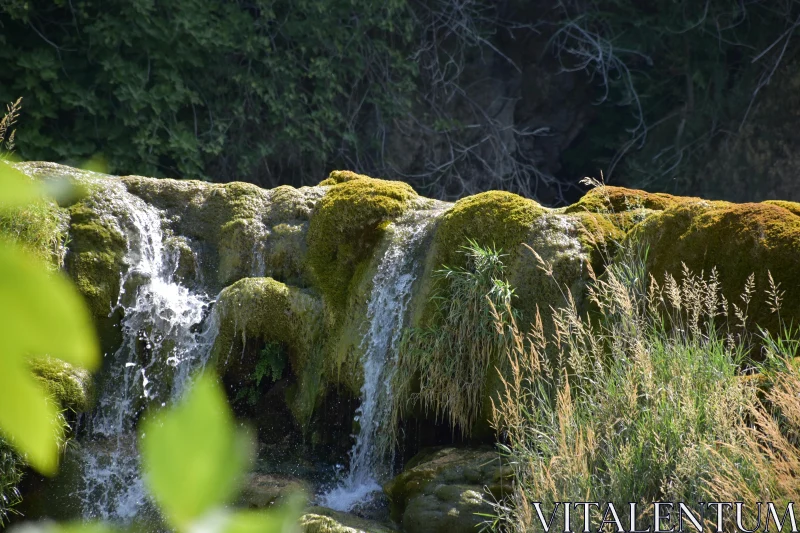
248, 90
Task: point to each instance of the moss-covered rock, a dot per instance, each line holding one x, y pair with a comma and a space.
737, 239
345, 227
95, 257
323, 520
269, 311
442, 490
499, 219
609, 199
239, 229
71, 387
261, 491
341, 176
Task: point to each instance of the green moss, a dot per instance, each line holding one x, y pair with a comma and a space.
70, 386
792, 207
40, 228
96, 253
268, 311
738, 239
345, 227
607, 199
342, 176
494, 218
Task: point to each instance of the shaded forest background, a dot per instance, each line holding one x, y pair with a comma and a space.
454, 96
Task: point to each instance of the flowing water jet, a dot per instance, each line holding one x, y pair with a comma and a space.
166, 335
372, 453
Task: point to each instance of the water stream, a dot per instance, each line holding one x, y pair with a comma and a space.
168, 330
371, 455
162, 344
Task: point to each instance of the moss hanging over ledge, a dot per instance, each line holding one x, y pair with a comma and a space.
345, 227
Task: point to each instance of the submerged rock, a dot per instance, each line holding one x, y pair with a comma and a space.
446, 490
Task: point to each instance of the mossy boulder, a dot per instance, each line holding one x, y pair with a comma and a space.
266, 310
96, 253
737, 239
70, 386
261, 491
442, 490
609, 199
495, 218
346, 225
323, 520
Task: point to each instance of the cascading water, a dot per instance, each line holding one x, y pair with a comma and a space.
162, 345
391, 291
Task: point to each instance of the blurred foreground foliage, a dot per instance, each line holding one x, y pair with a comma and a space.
193, 453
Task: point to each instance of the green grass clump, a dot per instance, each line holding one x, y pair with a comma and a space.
40, 228
71, 387
450, 360
345, 227
646, 400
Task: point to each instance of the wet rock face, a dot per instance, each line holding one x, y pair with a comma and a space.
443, 490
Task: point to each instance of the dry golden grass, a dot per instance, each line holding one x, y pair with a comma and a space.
645, 399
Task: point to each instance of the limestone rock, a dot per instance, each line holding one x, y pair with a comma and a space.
323, 520
265, 490
443, 490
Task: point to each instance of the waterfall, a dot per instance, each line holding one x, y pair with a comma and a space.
391, 291
162, 344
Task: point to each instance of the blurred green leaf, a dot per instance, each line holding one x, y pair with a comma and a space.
193, 454
42, 314
28, 417
70, 527
16, 189
284, 520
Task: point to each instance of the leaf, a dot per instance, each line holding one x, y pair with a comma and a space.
69, 527
27, 417
16, 189
41, 314
280, 520
193, 455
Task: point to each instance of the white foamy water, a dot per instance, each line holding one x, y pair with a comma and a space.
162, 344
371, 455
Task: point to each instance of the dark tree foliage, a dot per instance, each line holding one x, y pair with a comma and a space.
261, 90
454, 96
